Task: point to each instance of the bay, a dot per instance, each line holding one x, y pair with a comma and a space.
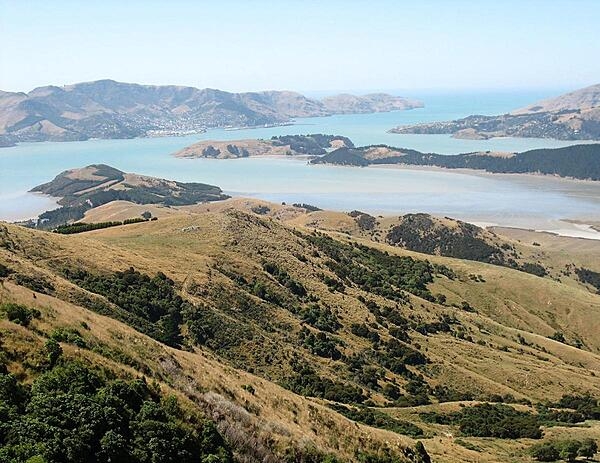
523, 201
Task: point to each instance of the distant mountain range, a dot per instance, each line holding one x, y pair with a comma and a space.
109, 109
572, 116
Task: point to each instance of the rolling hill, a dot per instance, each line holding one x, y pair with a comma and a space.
305, 336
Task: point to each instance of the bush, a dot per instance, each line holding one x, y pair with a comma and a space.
545, 451
491, 420
151, 303
18, 313
567, 450
306, 381
4, 271
73, 415
69, 335
378, 419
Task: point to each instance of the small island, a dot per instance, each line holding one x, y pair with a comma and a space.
83, 189
286, 145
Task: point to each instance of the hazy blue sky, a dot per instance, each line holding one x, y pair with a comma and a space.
306, 46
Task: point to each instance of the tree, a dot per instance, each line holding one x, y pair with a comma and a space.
544, 452
588, 448
567, 450
54, 351
422, 453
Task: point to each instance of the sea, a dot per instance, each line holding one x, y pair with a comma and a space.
544, 203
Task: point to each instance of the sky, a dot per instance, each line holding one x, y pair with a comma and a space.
309, 46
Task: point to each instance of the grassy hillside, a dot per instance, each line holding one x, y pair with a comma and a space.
290, 337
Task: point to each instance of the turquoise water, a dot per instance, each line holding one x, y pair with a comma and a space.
506, 200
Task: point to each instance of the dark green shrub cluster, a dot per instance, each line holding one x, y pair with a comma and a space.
447, 394
375, 271
18, 313
364, 221
490, 420
4, 271
209, 328
586, 405
284, 279
362, 330
320, 344
36, 283
533, 268
80, 227
68, 335
442, 325
306, 381
589, 277
378, 419
396, 356
307, 207
321, 318
72, 414
419, 232
152, 300
260, 209
567, 450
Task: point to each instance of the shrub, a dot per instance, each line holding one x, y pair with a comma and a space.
73, 415
545, 451
306, 381
69, 335
53, 351
151, 303
491, 420
378, 419
4, 271
19, 314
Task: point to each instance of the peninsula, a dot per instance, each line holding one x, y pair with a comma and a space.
572, 116
109, 109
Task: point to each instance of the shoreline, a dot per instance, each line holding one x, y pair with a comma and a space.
415, 167
481, 172
581, 229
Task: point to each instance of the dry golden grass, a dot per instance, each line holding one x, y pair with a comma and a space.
186, 245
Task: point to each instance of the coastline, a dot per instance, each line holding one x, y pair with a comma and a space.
30, 205
481, 172
415, 167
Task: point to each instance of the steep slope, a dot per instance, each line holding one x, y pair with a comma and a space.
343, 320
